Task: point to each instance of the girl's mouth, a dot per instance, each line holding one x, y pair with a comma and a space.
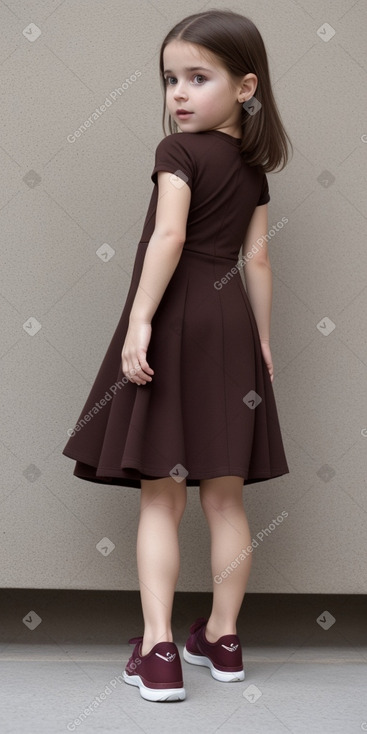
183, 114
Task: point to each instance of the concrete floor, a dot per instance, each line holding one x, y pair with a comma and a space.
302, 675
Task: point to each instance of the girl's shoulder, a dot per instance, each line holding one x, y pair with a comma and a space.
180, 140
177, 153
196, 141
191, 149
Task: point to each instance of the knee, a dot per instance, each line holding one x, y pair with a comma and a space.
217, 497
212, 503
167, 496
176, 501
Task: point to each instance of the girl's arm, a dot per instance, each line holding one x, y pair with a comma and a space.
257, 271
165, 246
161, 259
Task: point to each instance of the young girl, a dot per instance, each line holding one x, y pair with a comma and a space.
189, 400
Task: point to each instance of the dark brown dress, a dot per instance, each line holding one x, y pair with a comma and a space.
210, 408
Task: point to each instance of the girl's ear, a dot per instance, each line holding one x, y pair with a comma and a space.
248, 88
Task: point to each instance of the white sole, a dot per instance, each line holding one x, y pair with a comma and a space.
217, 674
155, 694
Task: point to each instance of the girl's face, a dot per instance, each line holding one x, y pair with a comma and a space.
206, 91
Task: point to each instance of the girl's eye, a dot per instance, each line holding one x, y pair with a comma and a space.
201, 75
167, 78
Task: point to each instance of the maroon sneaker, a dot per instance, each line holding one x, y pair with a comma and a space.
157, 682
223, 657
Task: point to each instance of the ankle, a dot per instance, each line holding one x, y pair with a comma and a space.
213, 632
150, 639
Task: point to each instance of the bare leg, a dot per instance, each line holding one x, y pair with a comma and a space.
162, 504
221, 500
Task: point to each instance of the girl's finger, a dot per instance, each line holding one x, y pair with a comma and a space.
136, 375
143, 362
142, 369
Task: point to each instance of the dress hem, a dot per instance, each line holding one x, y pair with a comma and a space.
210, 473
122, 473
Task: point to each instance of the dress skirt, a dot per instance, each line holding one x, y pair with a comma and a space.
210, 409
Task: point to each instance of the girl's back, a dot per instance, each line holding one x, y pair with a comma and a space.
224, 190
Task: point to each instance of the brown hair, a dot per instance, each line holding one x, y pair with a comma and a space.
238, 45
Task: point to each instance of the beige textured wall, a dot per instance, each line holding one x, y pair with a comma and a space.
60, 201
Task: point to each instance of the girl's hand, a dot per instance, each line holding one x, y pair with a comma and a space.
133, 355
265, 348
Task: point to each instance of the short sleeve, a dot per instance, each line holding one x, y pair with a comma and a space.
171, 155
264, 196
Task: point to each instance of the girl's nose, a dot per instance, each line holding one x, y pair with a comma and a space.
180, 92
